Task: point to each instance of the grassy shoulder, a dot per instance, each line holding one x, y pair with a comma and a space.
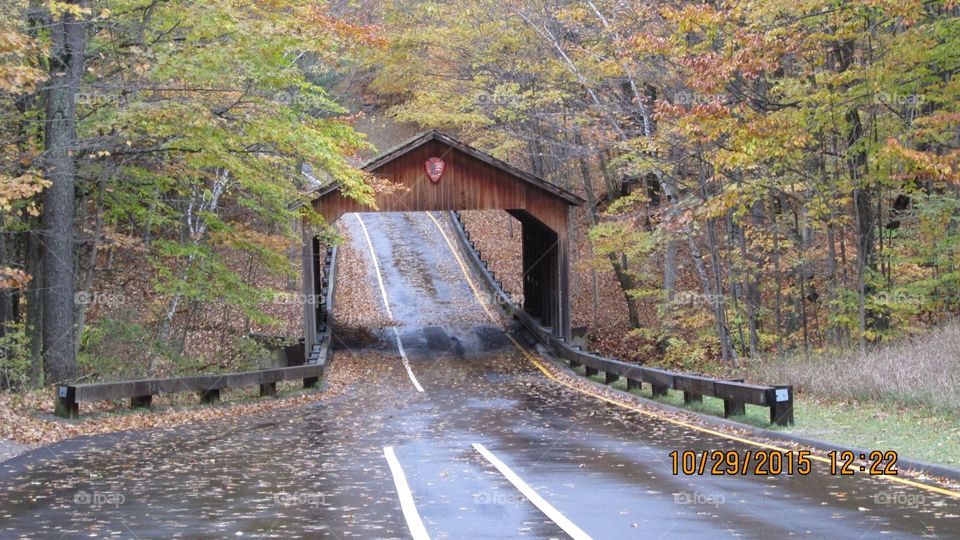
914, 432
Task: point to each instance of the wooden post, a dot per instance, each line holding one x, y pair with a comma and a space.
309, 313
610, 377
733, 408
141, 402
530, 277
691, 397
781, 410
553, 294
563, 262
567, 237
268, 389
659, 390
66, 404
591, 371
319, 282
633, 384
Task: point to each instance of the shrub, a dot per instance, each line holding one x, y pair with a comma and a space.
14, 356
114, 349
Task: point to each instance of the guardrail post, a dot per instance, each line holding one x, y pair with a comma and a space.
610, 377
659, 390
268, 389
210, 396
733, 408
591, 371
691, 397
781, 408
633, 384
66, 405
141, 402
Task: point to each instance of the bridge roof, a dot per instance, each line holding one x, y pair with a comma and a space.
426, 137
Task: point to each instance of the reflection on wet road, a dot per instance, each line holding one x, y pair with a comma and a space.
323, 471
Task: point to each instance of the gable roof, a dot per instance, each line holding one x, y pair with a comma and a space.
433, 135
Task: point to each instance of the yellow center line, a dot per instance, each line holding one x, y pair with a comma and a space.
543, 369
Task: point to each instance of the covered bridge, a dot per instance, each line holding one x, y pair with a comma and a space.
435, 172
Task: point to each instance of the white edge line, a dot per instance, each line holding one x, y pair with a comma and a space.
407, 505
386, 304
376, 266
406, 361
548, 510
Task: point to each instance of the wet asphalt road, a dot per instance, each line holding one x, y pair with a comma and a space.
320, 470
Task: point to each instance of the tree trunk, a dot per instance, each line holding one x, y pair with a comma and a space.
751, 290
86, 284
34, 324
6, 295
68, 38
619, 263
714, 288
778, 276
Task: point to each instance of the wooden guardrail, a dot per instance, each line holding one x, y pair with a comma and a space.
735, 394
141, 392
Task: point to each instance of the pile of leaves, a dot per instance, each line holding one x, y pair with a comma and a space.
358, 307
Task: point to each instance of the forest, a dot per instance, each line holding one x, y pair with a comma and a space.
763, 179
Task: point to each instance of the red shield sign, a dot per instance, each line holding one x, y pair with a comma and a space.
434, 167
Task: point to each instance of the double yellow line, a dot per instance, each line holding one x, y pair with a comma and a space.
549, 374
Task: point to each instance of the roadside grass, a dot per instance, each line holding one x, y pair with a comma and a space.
914, 432
921, 371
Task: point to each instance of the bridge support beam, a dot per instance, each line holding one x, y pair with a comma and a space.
311, 276
563, 267
546, 272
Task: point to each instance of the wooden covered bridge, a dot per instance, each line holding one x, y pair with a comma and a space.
435, 172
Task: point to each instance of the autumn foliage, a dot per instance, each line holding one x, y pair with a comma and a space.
761, 176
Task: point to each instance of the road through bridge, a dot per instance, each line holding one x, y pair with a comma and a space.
492, 447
